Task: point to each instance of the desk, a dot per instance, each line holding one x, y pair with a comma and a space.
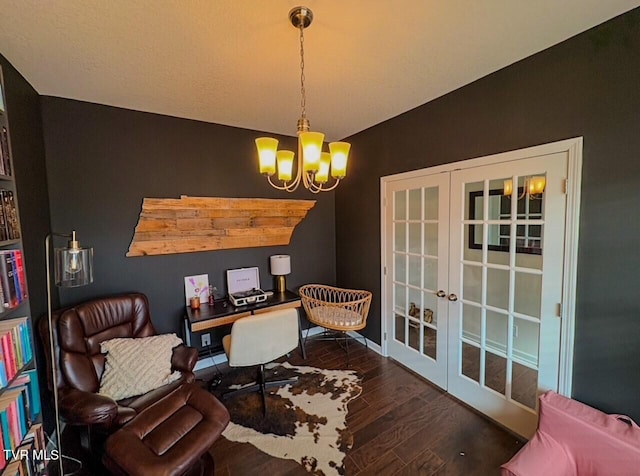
223, 313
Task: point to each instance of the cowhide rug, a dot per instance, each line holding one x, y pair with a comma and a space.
305, 421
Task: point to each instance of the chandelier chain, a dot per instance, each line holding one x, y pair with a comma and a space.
303, 100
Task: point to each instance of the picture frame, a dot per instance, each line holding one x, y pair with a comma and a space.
196, 286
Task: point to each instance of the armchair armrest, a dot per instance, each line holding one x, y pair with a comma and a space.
86, 408
184, 358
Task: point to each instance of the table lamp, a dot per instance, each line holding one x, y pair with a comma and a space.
280, 267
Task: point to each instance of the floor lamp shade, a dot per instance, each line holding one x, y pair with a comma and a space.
73, 266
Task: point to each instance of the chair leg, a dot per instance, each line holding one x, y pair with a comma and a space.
263, 391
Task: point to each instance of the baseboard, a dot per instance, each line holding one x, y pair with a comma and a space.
372, 345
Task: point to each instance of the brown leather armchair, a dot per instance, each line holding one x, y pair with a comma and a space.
77, 334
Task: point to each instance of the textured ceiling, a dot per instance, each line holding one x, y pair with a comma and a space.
236, 62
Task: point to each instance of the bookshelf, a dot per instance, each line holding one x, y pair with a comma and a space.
21, 433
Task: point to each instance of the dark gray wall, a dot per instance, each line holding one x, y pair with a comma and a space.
25, 124
586, 86
102, 161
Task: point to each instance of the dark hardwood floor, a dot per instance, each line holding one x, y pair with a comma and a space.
402, 425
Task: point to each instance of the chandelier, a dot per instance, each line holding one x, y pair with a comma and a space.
313, 167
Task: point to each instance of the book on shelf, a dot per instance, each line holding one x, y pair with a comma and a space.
13, 283
16, 348
10, 214
6, 151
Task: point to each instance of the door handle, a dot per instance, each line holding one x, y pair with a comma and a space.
452, 297
441, 293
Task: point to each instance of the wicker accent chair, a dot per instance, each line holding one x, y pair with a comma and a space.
337, 310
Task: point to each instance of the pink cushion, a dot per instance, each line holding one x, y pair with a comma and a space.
593, 442
542, 455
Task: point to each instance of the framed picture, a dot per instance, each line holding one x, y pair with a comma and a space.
196, 286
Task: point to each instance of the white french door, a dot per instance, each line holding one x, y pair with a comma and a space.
418, 237
474, 280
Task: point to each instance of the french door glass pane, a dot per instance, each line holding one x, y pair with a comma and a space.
431, 239
473, 206
400, 268
415, 267
528, 294
471, 328
414, 335
473, 243
431, 203
400, 237
471, 361
472, 283
415, 204
498, 288
415, 238
400, 304
399, 331
430, 268
524, 385
495, 372
526, 338
400, 205
430, 342
497, 330
430, 308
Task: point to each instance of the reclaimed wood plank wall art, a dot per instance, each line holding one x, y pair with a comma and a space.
190, 224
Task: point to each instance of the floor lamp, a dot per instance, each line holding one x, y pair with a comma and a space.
73, 267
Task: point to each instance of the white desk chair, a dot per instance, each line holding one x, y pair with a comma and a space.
260, 339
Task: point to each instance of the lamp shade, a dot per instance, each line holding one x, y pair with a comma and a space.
322, 175
311, 143
280, 265
285, 164
73, 267
339, 158
267, 147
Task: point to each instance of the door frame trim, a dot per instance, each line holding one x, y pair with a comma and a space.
573, 148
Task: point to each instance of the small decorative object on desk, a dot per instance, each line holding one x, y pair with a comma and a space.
194, 302
212, 299
196, 286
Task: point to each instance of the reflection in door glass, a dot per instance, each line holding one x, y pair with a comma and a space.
495, 372
473, 243
473, 205
400, 302
470, 361
414, 335
524, 385
430, 345
399, 330
526, 338
430, 309
497, 330
471, 325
